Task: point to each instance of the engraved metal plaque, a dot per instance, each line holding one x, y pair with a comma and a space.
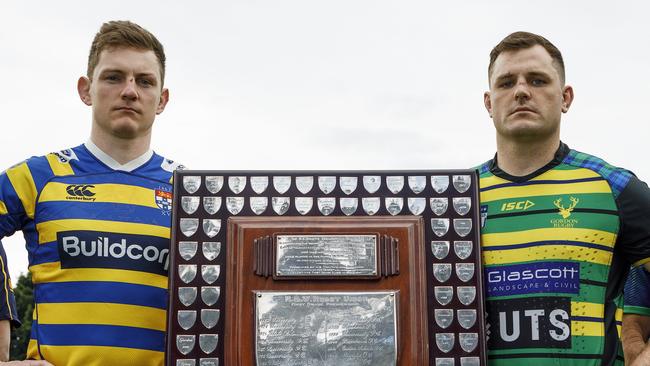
395, 184
442, 271
444, 317
444, 294
214, 183
349, 205
211, 227
439, 205
189, 226
210, 294
440, 183
440, 226
211, 249
190, 204
208, 342
237, 184
462, 227
234, 204
326, 205
463, 248
416, 205
304, 184
462, 205
185, 343
304, 204
394, 205
417, 183
186, 318
327, 328
282, 184
211, 205
370, 205
187, 295
445, 341
462, 182
371, 183
466, 317
258, 204
327, 184
259, 184
280, 204
440, 249
187, 249
191, 183
326, 255
348, 184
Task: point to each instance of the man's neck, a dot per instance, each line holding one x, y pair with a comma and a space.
522, 158
121, 150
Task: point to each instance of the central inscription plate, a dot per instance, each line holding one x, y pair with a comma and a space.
326, 328
326, 255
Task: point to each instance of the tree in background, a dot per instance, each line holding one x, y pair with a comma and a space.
24, 292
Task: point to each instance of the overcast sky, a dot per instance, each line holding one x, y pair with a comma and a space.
300, 84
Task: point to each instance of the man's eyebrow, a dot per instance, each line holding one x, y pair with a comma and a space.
507, 75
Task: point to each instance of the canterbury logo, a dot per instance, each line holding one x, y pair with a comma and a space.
566, 211
80, 192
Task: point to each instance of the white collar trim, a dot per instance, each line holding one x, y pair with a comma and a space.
113, 164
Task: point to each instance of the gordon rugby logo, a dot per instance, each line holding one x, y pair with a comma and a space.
163, 200
80, 192
565, 212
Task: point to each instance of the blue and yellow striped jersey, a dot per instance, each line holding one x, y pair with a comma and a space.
557, 245
98, 245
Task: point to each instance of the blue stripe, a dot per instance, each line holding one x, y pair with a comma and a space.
587, 319
106, 211
535, 182
101, 291
47, 252
100, 335
549, 242
41, 171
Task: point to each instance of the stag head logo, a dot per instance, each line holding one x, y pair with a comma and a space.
565, 211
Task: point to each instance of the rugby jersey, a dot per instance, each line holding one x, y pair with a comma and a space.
97, 235
557, 246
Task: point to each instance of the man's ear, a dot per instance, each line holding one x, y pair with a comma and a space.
164, 98
487, 102
83, 88
567, 98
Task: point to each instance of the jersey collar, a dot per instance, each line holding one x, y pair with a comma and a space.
113, 164
560, 154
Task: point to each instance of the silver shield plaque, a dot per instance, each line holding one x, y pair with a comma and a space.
440, 183
326, 205
371, 183
208, 362
280, 204
282, 184
466, 294
468, 341
440, 226
259, 184
185, 343
370, 205
304, 204
185, 362
327, 184
187, 295
465, 271
416, 205
440, 249
187, 272
190, 204
394, 205
417, 183
211, 227
462, 182
214, 184
463, 248
208, 342
210, 317
443, 294
210, 273
188, 226
186, 318
191, 183
326, 255
470, 361
466, 317
445, 361
462, 205
258, 204
211, 204
439, 205
444, 317
462, 227
304, 184
348, 184
445, 341
211, 249
234, 204
395, 184
187, 249
237, 184
332, 328
349, 205
442, 271
210, 294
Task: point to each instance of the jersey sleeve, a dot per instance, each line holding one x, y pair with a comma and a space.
634, 210
637, 292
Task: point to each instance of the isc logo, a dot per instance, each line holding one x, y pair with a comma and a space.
518, 205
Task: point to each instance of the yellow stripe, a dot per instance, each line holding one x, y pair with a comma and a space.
491, 181
101, 355
102, 313
58, 168
6, 287
49, 229
545, 190
3, 208
545, 252
580, 173
582, 328
32, 350
22, 181
52, 272
534, 235
112, 193
587, 309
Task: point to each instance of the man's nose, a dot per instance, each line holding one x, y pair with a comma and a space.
522, 90
129, 91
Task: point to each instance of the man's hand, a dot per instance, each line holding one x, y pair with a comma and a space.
636, 329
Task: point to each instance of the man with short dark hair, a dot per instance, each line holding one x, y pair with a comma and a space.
560, 228
96, 217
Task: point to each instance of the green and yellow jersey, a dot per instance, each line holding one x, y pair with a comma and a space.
557, 246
